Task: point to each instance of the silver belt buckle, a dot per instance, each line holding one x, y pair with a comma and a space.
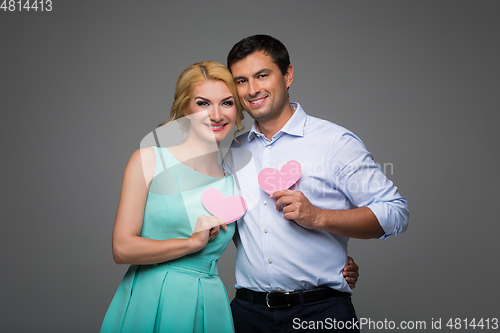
277, 306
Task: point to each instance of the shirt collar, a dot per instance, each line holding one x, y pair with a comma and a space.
294, 126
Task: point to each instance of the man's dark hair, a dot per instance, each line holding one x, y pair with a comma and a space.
269, 45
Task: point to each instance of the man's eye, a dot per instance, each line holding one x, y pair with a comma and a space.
262, 75
241, 81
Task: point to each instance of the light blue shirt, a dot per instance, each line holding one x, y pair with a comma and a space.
337, 173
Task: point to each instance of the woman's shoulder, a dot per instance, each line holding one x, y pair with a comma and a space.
144, 156
143, 160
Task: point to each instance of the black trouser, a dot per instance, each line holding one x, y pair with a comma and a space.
321, 316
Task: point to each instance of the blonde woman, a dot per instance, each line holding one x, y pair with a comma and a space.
172, 283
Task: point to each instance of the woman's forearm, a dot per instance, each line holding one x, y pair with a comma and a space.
142, 251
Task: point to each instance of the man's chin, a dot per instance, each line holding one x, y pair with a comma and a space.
258, 114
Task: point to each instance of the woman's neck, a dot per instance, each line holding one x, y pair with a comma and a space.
199, 155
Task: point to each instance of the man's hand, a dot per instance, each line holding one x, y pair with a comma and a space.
350, 272
358, 222
296, 207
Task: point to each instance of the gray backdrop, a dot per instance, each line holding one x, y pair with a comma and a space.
80, 86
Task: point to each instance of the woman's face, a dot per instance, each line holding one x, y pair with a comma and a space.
212, 110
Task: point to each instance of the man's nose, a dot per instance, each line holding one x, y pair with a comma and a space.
254, 87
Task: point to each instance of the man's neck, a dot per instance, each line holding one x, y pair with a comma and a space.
272, 126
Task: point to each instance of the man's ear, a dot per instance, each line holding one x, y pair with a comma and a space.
289, 76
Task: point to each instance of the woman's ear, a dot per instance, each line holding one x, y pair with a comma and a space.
185, 111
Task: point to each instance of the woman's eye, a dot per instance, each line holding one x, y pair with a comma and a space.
228, 103
201, 103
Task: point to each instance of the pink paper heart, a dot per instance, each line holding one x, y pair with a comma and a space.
272, 180
228, 209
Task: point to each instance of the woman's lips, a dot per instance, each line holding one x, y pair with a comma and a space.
215, 127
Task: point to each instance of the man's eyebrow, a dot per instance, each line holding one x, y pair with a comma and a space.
236, 78
263, 70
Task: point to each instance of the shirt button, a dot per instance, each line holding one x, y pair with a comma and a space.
258, 135
279, 289
269, 260
265, 202
269, 146
265, 230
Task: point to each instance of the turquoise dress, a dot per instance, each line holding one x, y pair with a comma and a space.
185, 294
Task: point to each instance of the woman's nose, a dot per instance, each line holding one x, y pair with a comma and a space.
215, 114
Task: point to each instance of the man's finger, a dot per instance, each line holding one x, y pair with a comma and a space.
350, 274
278, 194
283, 201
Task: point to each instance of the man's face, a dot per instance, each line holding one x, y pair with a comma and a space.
261, 86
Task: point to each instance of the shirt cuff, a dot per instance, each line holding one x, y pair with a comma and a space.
392, 217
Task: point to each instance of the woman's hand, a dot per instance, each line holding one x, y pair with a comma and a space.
128, 245
207, 227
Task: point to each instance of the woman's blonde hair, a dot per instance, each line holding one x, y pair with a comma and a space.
195, 75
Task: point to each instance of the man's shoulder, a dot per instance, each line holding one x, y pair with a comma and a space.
328, 134
323, 126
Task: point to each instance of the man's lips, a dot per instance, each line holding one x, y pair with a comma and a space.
215, 127
257, 102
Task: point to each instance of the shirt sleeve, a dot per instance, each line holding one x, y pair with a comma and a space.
365, 185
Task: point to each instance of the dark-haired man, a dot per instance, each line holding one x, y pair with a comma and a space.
292, 245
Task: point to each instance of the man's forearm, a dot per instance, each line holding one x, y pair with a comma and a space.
355, 223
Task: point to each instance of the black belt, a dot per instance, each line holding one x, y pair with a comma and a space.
281, 299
